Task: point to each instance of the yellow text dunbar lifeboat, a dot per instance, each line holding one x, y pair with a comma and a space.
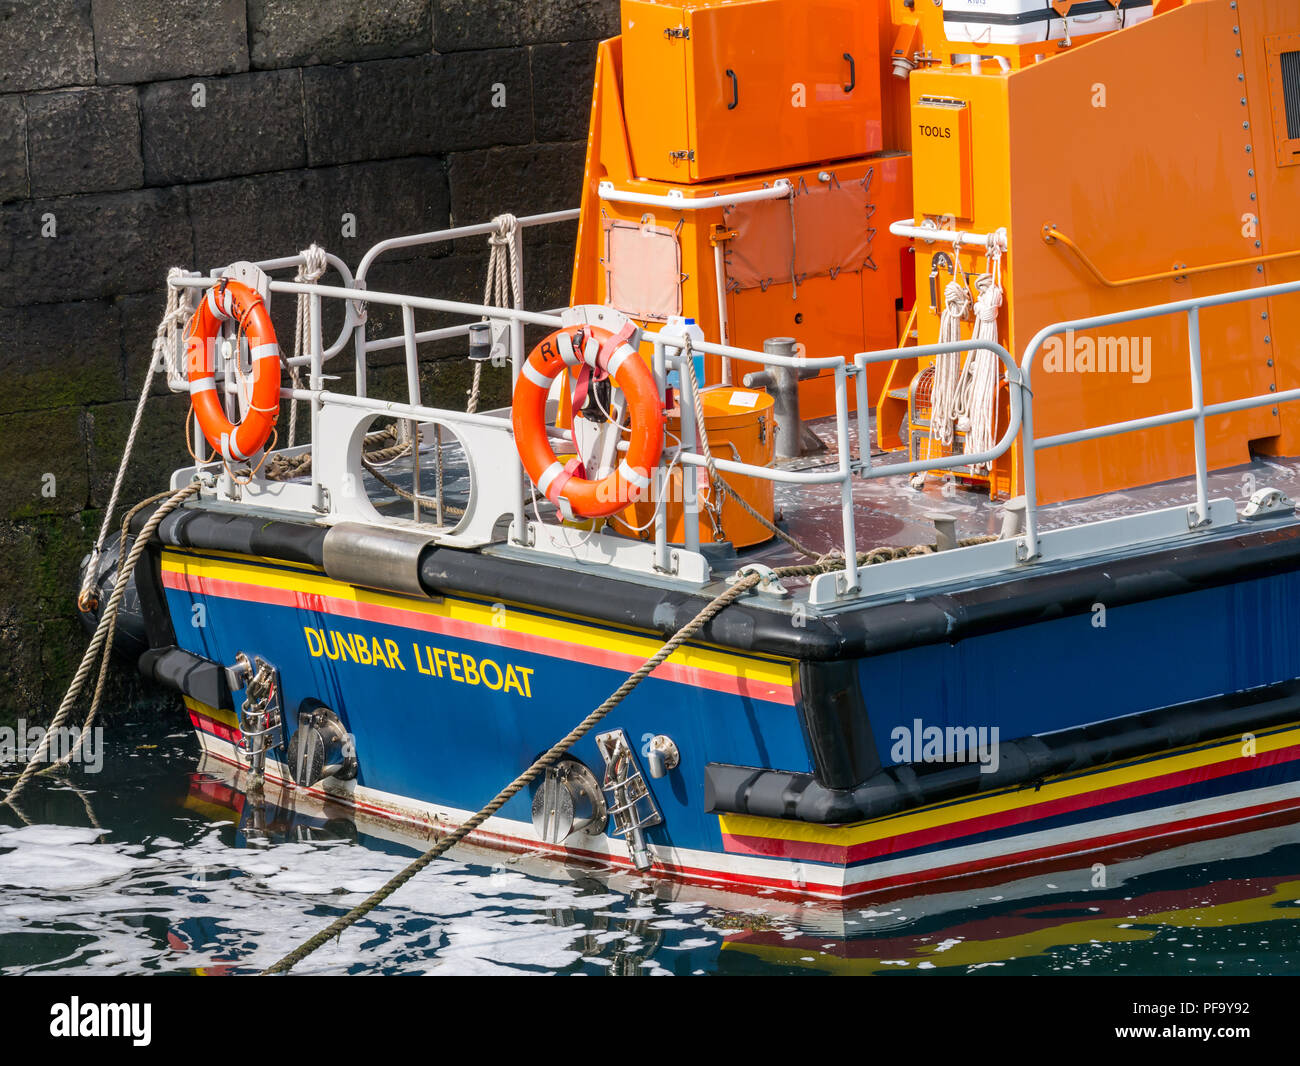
231, 301
564, 484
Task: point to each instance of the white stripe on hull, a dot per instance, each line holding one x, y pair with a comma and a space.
812, 879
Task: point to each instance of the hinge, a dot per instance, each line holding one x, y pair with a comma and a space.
682, 33
686, 154
721, 233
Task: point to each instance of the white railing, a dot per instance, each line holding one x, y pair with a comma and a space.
498, 487
1196, 413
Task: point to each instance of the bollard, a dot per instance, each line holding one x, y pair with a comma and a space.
793, 439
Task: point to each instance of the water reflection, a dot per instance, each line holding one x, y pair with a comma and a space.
148, 868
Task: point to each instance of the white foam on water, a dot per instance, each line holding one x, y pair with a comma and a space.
113, 907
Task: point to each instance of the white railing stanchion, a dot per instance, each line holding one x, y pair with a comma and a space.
1028, 550
517, 356
846, 475
360, 372
864, 411
690, 484
413, 398
517, 242
1198, 425
660, 476
316, 380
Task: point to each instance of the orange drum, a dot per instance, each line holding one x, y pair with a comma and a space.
741, 428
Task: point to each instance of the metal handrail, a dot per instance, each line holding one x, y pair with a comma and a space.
676, 200
1052, 235
479, 229
363, 347
413, 409
1196, 414
350, 316
1020, 421
1018, 400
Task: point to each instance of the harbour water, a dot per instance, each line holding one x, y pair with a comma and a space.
160, 864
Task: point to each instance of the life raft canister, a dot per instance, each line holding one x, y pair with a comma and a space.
233, 301
563, 484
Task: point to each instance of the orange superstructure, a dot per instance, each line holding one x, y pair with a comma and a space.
1133, 156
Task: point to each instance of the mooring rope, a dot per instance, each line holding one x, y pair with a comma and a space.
164, 351
103, 633
358, 912
711, 503
107, 652
825, 564
427, 501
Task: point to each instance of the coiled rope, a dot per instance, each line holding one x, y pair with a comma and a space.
313, 266
503, 284
978, 389
945, 393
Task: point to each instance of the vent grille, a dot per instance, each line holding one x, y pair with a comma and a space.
1291, 92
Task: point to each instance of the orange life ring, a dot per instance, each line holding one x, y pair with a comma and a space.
562, 484
232, 301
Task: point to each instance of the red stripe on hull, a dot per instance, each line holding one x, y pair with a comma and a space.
694, 676
974, 873
836, 854
1186, 826
217, 729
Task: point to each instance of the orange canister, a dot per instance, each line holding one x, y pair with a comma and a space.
740, 428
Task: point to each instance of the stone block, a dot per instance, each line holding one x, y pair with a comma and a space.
60, 355
290, 33
247, 124
46, 44
87, 247
149, 40
562, 80
84, 140
344, 209
466, 24
43, 466
13, 149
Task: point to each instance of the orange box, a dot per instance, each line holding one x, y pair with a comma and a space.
717, 88
941, 157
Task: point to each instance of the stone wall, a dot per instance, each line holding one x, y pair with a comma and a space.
136, 135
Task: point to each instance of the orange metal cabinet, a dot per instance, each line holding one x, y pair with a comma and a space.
1160, 176
713, 89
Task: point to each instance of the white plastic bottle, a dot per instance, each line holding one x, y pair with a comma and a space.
679, 327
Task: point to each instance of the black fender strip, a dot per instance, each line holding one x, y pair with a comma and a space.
1021, 763
189, 674
988, 605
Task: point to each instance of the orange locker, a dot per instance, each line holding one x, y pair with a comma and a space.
713, 88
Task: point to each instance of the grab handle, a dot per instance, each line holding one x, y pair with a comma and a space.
735, 90
853, 73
